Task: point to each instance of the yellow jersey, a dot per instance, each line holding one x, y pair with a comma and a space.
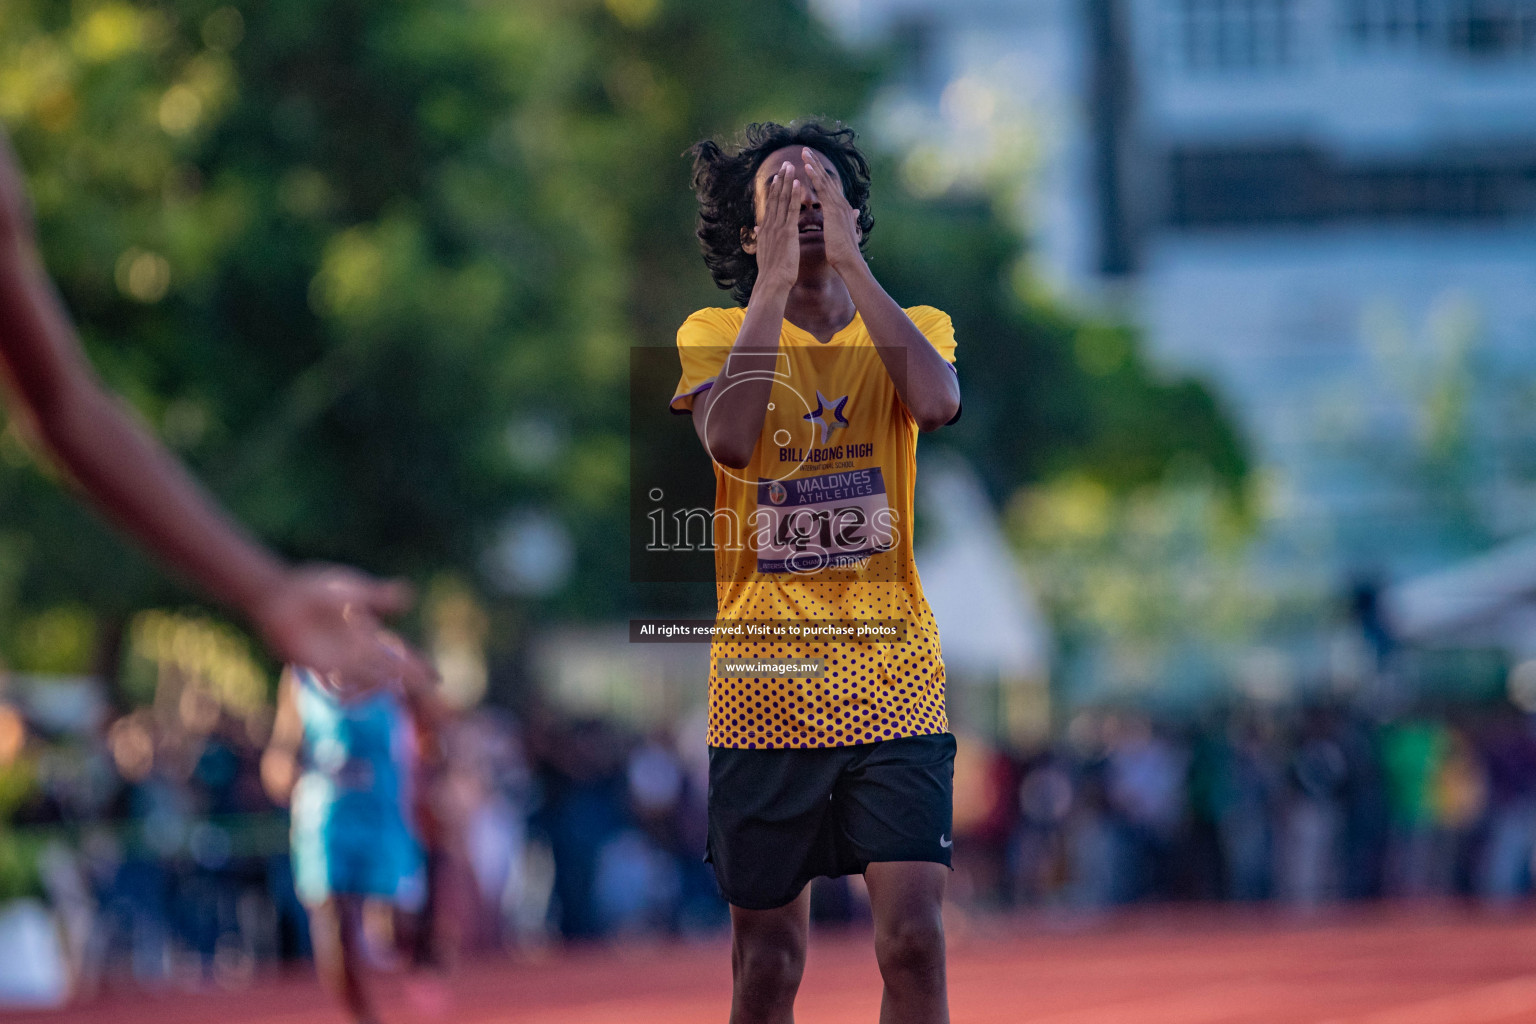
813, 543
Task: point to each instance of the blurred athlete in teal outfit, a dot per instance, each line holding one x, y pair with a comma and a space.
348, 768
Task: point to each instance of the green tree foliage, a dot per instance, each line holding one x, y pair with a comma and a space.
375, 269
331, 251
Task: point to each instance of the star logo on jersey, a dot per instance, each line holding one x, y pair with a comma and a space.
828, 415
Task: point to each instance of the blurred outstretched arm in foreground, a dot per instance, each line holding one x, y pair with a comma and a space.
326, 617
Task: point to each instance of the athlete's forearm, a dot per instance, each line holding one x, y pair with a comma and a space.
925, 381
279, 761
122, 470
730, 421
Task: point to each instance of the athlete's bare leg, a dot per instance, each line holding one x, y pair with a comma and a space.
906, 898
767, 961
336, 932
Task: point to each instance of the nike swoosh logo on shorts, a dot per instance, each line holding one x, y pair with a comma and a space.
946, 842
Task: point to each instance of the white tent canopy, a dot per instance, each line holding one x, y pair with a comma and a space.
989, 619
1490, 599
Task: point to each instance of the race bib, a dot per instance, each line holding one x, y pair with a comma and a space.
832, 521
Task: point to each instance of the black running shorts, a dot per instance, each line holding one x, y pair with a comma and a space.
779, 818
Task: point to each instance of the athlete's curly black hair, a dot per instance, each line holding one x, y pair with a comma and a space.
722, 180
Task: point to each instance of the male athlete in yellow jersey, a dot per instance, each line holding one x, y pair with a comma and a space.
809, 401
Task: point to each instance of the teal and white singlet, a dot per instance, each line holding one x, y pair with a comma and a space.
352, 829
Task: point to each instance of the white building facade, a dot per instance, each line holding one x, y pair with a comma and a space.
1326, 208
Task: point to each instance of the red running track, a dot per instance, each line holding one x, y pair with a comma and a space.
1430, 966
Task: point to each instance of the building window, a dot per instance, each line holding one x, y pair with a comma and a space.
1374, 23
1231, 35
1292, 185
1491, 28
1471, 28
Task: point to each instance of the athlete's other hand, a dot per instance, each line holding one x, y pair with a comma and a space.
330, 619
839, 221
776, 239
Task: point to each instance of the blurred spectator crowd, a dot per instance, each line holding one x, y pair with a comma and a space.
1304, 806
159, 859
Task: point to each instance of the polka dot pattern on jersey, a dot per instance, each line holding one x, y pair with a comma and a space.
870, 692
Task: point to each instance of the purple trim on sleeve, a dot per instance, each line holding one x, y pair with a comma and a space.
956, 418
689, 394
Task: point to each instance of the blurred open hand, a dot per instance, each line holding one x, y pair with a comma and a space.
330, 619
